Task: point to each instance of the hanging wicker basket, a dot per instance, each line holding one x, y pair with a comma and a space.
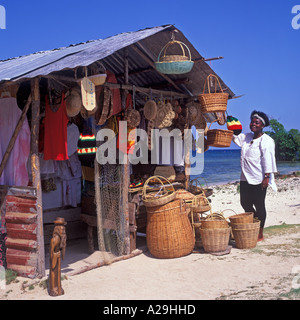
219, 137
213, 101
158, 198
174, 64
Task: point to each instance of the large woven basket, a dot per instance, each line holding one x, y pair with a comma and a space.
219, 137
165, 194
169, 233
213, 102
246, 238
174, 64
215, 240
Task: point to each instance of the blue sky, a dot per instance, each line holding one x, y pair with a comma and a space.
261, 49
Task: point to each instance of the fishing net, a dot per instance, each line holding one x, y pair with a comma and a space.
111, 221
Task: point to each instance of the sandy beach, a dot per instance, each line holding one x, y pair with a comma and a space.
242, 274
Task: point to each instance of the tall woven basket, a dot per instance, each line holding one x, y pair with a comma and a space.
169, 233
213, 101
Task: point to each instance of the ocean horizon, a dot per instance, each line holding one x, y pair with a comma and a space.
223, 166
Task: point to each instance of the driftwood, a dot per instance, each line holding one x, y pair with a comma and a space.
102, 263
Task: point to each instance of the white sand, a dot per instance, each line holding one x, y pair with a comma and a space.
261, 273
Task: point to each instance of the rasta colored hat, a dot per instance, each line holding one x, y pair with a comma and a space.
234, 125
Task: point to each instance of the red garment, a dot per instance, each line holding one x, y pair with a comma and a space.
117, 104
55, 140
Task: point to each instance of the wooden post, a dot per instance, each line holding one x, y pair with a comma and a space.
126, 175
35, 169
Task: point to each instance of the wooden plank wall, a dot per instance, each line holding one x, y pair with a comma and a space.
22, 242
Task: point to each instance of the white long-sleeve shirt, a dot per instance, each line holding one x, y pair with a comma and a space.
257, 158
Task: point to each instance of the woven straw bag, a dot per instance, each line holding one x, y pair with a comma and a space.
213, 102
161, 197
200, 204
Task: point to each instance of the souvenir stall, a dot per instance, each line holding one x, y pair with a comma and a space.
55, 120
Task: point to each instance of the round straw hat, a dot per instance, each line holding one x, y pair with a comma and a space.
74, 102
150, 110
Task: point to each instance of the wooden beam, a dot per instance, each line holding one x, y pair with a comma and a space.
146, 91
208, 59
14, 136
35, 169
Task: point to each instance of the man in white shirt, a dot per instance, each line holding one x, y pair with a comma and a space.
258, 166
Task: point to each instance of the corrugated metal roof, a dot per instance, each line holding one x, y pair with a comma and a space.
143, 48
45, 62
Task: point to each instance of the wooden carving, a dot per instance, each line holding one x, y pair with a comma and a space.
57, 252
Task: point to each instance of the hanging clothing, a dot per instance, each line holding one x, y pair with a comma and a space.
55, 140
117, 103
73, 136
15, 172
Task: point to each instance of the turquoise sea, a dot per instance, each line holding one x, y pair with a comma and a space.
223, 166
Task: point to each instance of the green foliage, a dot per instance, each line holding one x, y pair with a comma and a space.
10, 276
287, 143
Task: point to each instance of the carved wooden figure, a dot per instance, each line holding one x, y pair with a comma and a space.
57, 252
